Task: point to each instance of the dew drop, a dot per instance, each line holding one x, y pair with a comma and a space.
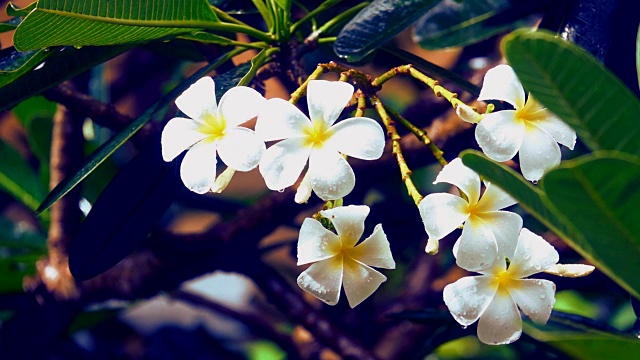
281, 190
464, 326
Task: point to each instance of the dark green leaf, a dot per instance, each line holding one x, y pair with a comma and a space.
18, 179
14, 64
638, 55
62, 64
573, 85
125, 212
376, 24
459, 23
13, 10
109, 22
13, 269
603, 208
108, 148
4, 27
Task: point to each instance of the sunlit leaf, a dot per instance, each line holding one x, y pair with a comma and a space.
577, 88
376, 24
109, 22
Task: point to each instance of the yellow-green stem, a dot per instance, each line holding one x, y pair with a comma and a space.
420, 134
405, 172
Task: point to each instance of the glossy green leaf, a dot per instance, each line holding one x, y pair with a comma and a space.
459, 23
577, 88
13, 10
99, 156
62, 64
109, 22
18, 179
14, 64
376, 24
599, 195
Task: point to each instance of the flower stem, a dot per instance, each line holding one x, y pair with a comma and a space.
257, 62
222, 15
420, 134
362, 104
405, 172
311, 15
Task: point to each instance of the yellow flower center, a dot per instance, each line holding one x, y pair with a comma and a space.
317, 134
531, 111
503, 281
213, 126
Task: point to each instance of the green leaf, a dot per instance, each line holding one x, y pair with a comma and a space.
18, 179
13, 10
13, 269
109, 22
108, 148
14, 64
376, 24
459, 23
573, 85
62, 64
4, 27
603, 208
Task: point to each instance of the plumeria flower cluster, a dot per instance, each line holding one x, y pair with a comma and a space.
489, 236
338, 259
212, 129
529, 129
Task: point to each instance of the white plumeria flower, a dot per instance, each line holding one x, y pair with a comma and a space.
213, 129
338, 260
529, 129
494, 296
316, 140
487, 232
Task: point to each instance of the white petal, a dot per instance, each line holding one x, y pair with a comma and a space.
375, 250
327, 99
477, 248
494, 198
560, 131
241, 149
240, 104
501, 322
198, 169
433, 246
500, 135
199, 99
468, 114
505, 227
465, 179
348, 221
468, 297
442, 213
323, 280
178, 135
534, 297
360, 281
501, 83
316, 243
360, 138
570, 270
533, 255
539, 152
283, 162
331, 175
280, 119
303, 193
